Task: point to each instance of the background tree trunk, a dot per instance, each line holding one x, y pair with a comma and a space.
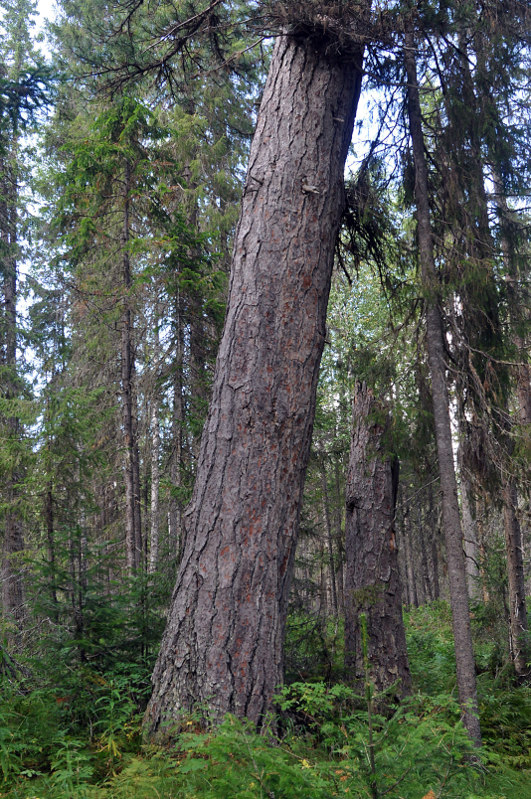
13, 540
155, 482
329, 538
466, 674
518, 629
177, 418
372, 584
132, 467
223, 641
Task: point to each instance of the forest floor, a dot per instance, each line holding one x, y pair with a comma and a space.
83, 741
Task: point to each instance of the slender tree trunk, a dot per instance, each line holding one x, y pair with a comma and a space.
466, 675
329, 540
480, 526
435, 550
471, 546
175, 505
323, 587
224, 636
340, 547
155, 481
50, 534
77, 586
470, 537
515, 569
410, 562
471, 542
421, 559
520, 649
372, 578
155, 454
485, 247
137, 483
405, 551
424, 535
132, 473
13, 541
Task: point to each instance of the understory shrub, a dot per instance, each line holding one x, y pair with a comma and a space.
75, 733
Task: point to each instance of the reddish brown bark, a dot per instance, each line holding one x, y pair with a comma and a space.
223, 641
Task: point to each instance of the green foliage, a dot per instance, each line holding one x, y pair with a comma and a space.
236, 761
313, 647
53, 747
99, 658
422, 744
505, 715
29, 726
431, 648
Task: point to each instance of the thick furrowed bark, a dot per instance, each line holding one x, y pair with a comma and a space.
223, 642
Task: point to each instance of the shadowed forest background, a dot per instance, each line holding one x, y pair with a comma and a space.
265, 402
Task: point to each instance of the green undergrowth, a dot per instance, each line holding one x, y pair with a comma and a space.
84, 742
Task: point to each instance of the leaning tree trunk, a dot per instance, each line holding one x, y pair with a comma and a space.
223, 642
372, 584
464, 653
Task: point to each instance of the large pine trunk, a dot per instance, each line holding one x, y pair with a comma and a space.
464, 654
223, 642
372, 584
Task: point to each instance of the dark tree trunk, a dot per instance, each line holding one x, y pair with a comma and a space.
372, 584
434, 525
223, 641
466, 675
